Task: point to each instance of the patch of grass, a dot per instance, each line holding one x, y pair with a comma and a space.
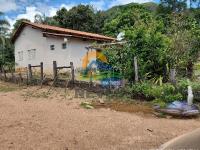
86, 105
8, 88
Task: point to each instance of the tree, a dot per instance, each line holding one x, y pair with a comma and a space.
18, 23
172, 6
99, 22
4, 27
146, 41
61, 16
42, 19
127, 18
185, 36
80, 18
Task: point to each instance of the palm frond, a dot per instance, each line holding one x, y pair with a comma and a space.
2, 41
4, 23
1, 13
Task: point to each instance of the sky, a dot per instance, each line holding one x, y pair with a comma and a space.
17, 9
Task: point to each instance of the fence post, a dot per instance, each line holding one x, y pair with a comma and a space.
12, 74
20, 78
26, 76
91, 76
172, 76
136, 69
30, 72
54, 70
72, 71
41, 71
4, 73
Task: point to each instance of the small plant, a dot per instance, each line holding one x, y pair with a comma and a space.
159, 102
86, 105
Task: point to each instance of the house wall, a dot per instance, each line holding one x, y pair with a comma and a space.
31, 38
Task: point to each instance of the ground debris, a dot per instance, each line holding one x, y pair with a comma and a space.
150, 130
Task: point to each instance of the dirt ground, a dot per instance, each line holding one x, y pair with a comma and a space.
32, 119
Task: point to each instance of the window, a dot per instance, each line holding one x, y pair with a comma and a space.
20, 55
52, 47
64, 45
31, 54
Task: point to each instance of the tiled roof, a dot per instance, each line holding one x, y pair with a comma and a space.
54, 29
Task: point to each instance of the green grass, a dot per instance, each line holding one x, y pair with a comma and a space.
5, 89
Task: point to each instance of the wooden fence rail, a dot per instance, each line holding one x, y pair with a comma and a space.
56, 69
30, 73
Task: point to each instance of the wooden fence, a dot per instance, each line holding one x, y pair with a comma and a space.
26, 76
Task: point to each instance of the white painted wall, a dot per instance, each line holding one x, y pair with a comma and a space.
33, 39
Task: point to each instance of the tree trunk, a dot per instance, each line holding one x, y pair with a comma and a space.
165, 76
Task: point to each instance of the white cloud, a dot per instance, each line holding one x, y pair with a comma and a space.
99, 5
52, 11
68, 6
41, 9
29, 14
11, 21
7, 5
123, 2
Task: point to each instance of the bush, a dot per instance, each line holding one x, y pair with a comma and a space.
159, 102
166, 92
182, 86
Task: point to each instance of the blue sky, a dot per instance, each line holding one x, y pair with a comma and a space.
17, 9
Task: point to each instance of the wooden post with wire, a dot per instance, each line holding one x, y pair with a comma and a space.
30, 75
136, 69
55, 70
41, 72
4, 73
72, 72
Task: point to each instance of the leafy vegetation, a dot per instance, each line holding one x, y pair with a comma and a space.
163, 36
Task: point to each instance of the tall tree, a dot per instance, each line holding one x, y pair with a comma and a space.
42, 19
172, 6
4, 27
81, 17
128, 17
99, 21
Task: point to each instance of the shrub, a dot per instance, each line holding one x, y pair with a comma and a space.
166, 92
183, 84
159, 102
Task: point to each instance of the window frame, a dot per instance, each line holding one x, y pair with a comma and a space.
64, 47
32, 54
52, 47
20, 56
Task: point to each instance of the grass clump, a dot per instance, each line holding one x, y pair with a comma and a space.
7, 88
86, 105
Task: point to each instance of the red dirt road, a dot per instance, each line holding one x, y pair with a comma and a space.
55, 123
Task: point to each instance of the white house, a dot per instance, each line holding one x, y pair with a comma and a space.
35, 43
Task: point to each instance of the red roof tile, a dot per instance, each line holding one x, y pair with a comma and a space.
54, 29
